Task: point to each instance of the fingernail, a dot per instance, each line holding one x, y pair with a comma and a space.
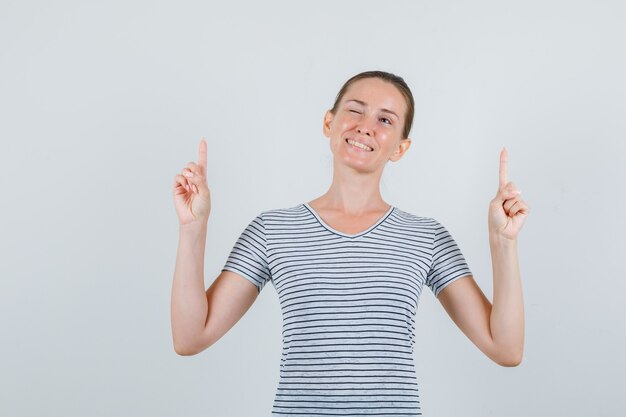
188, 174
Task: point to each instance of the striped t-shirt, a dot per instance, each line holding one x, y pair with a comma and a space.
348, 303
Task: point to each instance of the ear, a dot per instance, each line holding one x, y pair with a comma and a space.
404, 146
328, 118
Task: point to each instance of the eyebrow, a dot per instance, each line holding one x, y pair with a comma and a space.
365, 104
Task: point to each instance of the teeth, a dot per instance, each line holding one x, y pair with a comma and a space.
360, 145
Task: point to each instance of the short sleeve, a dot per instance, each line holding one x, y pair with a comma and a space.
448, 263
248, 256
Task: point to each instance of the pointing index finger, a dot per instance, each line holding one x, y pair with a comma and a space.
202, 155
503, 167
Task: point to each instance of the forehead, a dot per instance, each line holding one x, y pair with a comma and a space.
377, 94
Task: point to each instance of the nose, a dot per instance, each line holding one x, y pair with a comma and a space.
364, 129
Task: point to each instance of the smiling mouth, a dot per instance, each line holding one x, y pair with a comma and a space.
359, 145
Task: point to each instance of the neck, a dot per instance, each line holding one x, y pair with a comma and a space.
353, 192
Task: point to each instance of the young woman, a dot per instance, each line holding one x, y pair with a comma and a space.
349, 269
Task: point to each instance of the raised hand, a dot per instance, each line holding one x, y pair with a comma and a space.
192, 197
507, 210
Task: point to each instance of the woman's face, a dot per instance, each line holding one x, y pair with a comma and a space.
371, 112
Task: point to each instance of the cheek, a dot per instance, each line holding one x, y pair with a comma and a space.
347, 123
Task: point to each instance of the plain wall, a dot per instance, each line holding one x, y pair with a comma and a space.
102, 104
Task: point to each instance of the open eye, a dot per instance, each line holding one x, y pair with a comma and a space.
384, 118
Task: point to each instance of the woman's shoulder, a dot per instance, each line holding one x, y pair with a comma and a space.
412, 218
285, 210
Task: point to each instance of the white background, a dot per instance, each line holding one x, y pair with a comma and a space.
102, 104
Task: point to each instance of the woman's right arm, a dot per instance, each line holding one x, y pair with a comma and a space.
201, 318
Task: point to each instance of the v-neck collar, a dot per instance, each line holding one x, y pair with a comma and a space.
350, 235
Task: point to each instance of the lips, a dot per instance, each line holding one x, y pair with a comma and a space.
361, 142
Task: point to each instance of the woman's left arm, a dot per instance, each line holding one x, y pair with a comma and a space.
498, 329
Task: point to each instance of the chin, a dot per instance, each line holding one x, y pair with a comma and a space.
349, 161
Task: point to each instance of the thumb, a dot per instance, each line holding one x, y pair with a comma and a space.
506, 194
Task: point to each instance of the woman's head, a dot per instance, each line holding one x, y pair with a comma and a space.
370, 121
393, 79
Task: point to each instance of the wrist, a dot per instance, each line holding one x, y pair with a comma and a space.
193, 227
499, 241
